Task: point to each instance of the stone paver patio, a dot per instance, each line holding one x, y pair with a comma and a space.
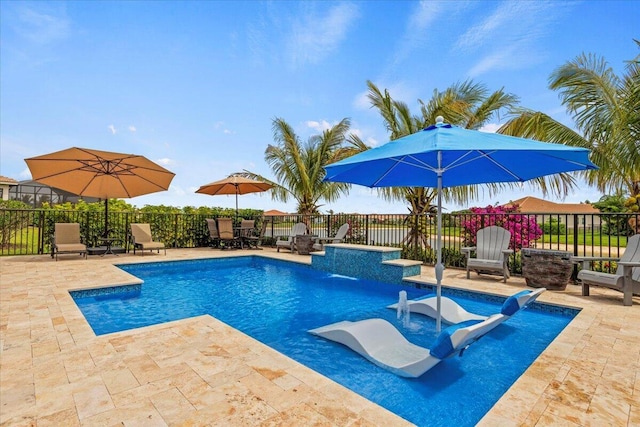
198, 371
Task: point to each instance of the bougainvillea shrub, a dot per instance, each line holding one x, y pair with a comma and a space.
523, 228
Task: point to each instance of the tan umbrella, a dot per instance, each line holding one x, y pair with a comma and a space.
103, 174
234, 184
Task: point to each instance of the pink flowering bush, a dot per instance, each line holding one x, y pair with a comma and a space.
523, 228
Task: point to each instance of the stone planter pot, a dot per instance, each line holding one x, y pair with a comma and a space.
304, 244
546, 268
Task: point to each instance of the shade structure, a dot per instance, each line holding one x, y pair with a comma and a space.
443, 156
234, 184
96, 173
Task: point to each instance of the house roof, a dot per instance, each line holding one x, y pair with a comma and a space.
275, 212
531, 204
7, 181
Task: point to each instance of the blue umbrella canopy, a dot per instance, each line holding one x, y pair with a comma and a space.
444, 155
460, 156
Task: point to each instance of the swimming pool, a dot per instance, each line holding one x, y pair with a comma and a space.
277, 302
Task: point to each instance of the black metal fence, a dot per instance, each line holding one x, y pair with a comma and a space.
28, 232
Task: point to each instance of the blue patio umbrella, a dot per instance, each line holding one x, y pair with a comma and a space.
443, 156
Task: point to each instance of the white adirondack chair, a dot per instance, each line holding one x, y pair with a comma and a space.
338, 238
297, 229
492, 251
628, 264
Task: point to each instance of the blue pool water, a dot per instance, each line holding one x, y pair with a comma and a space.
278, 302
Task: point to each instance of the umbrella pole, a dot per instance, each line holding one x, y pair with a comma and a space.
106, 217
439, 266
236, 205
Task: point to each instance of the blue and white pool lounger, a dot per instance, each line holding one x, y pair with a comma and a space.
452, 313
382, 344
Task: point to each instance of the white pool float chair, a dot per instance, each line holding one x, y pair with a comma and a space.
451, 312
382, 344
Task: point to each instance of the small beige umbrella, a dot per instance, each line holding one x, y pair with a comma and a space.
103, 174
234, 184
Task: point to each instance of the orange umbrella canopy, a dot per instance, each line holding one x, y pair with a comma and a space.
102, 174
234, 185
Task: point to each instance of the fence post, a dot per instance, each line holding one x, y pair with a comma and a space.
175, 231
366, 229
574, 275
41, 233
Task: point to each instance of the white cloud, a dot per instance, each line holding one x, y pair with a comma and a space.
112, 129
315, 37
318, 126
132, 128
490, 127
510, 35
228, 132
416, 33
361, 101
41, 23
25, 174
164, 161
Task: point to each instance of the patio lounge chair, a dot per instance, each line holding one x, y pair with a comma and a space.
297, 229
248, 233
492, 252
338, 238
67, 240
381, 343
628, 263
451, 312
227, 237
214, 236
141, 237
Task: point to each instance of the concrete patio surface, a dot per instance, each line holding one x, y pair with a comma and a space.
54, 371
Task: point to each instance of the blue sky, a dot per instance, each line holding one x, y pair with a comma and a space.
195, 86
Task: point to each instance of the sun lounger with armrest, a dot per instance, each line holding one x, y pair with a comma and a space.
141, 235
381, 343
67, 240
451, 312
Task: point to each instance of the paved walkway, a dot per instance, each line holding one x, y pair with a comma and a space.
55, 371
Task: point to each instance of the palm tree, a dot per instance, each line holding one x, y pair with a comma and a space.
466, 104
298, 167
606, 111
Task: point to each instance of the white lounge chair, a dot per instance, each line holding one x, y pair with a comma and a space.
297, 229
338, 238
492, 251
451, 312
382, 344
628, 263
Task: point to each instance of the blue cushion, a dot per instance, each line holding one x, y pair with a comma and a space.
443, 347
511, 305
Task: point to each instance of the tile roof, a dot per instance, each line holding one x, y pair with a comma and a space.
5, 180
531, 204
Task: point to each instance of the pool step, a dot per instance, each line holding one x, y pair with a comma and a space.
379, 263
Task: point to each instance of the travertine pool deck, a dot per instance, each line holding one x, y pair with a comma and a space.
199, 372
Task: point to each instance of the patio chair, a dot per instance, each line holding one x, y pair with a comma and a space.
214, 236
228, 239
338, 238
142, 239
492, 252
67, 240
297, 229
628, 264
249, 235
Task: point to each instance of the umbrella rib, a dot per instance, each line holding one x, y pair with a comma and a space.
458, 162
418, 163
